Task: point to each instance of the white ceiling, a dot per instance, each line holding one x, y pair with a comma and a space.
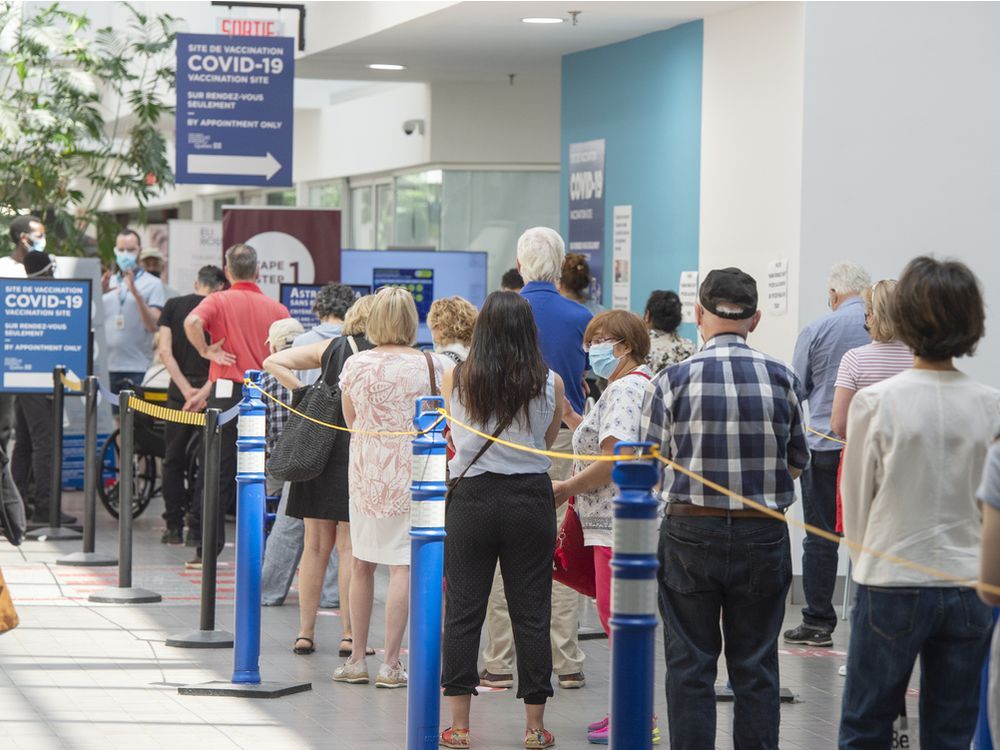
486, 41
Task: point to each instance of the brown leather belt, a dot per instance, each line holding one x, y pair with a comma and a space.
688, 509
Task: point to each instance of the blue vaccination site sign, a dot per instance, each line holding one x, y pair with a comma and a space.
234, 109
46, 322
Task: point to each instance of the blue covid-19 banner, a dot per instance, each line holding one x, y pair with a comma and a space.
586, 208
234, 109
46, 323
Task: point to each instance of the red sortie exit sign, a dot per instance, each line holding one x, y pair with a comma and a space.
249, 27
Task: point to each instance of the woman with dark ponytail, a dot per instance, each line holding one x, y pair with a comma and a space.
662, 316
500, 507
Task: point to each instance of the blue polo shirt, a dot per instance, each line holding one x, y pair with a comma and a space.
561, 323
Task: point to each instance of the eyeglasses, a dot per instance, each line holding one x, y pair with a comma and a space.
597, 342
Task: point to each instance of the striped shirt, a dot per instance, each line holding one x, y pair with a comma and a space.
873, 363
732, 415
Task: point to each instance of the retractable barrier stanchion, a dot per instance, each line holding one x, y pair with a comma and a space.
427, 534
55, 530
633, 601
125, 593
89, 557
207, 636
250, 467
983, 739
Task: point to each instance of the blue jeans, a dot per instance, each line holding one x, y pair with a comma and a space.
949, 629
740, 570
819, 555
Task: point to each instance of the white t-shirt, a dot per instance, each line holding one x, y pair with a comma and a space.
617, 414
11, 269
916, 451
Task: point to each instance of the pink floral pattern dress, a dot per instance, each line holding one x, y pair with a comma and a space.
383, 387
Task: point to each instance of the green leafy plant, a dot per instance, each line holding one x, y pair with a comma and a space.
81, 116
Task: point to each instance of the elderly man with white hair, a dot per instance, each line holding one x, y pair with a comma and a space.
561, 323
818, 352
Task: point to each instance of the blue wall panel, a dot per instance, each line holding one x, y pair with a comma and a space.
643, 96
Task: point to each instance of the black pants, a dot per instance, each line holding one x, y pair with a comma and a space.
175, 496
227, 473
510, 518
820, 556
32, 457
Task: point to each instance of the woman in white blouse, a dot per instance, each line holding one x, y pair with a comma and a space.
916, 447
617, 344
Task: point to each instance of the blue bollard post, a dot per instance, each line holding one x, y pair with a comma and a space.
250, 467
250, 446
633, 601
427, 534
983, 739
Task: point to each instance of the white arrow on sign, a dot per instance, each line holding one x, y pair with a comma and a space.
256, 166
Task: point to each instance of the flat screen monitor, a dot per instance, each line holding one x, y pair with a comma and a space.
428, 274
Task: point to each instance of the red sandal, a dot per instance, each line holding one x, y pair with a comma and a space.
455, 738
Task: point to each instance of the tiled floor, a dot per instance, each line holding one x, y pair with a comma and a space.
80, 675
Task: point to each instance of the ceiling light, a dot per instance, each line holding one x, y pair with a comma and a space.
542, 19
385, 66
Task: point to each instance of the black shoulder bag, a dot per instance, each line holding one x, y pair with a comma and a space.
303, 448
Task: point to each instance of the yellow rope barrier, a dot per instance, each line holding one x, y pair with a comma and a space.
828, 437
170, 415
808, 528
293, 410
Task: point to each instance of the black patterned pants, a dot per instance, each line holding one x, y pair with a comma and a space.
507, 518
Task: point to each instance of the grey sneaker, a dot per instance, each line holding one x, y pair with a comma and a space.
391, 677
355, 673
804, 635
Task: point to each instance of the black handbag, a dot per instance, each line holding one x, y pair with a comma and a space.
303, 449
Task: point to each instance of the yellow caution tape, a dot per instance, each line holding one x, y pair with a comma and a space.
162, 412
73, 385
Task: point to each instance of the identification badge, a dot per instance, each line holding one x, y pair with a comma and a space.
120, 322
223, 388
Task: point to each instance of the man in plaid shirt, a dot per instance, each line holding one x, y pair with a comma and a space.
730, 414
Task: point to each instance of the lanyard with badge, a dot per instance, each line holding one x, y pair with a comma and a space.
123, 293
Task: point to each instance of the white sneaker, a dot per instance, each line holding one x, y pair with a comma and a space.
842, 671
354, 673
391, 677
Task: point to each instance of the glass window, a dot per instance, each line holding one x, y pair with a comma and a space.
386, 214
218, 203
281, 198
418, 210
325, 196
362, 219
488, 211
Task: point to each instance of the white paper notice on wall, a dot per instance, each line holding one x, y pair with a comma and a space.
688, 292
621, 297
777, 287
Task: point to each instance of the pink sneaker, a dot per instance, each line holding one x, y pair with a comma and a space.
599, 736
595, 725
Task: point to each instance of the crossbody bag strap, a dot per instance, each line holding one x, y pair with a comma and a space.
353, 344
430, 373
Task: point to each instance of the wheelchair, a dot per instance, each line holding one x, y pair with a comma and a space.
150, 445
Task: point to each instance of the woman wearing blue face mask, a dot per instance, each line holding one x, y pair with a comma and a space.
617, 343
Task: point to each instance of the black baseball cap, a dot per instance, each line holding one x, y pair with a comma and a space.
732, 287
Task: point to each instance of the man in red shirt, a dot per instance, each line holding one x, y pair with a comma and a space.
237, 320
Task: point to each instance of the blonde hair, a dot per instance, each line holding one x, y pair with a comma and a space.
356, 319
877, 299
392, 318
452, 318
